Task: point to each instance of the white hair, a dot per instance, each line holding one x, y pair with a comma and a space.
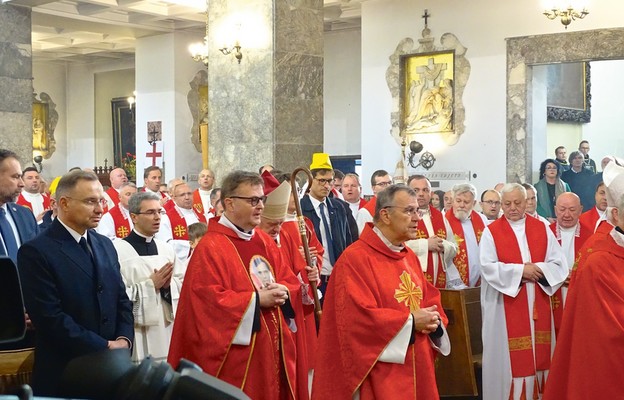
510, 187
464, 188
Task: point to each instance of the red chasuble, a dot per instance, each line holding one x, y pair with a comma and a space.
588, 362
461, 259
179, 228
122, 225
291, 240
590, 218
437, 222
557, 301
198, 206
367, 303
523, 361
21, 200
603, 230
216, 293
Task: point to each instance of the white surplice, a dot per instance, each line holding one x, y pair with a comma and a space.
498, 280
153, 317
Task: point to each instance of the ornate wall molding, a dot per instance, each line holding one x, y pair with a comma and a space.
426, 45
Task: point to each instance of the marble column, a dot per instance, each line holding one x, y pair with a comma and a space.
269, 108
16, 79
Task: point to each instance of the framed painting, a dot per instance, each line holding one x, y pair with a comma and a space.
124, 129
568, 92
427, 93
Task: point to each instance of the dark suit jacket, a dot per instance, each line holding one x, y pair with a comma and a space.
24, 221
341, 233
75, 308
27, 230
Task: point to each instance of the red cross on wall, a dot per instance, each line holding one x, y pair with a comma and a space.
153, 154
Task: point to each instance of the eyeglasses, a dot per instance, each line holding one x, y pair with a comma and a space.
406, 210
91, 202
324, 181
152, 213
254, 200
492, 203
383, 184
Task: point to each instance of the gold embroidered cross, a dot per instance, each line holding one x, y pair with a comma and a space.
458, 239
179, 231
408, 292
122, 232
555, 302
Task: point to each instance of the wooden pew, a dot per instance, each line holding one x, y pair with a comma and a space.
457, 374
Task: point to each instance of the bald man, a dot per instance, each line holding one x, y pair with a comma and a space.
117, 178
201, 195
571, 235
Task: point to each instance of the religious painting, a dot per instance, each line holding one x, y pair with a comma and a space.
260, 272
40, 126
124, 130
197, 99
568, 92
427, 94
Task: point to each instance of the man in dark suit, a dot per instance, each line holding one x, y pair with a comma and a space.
17, 223
328, 215
73, 289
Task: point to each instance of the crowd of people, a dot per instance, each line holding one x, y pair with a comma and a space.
232, 279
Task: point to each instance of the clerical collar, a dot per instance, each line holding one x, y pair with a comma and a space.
388, 243
147, 238
239, 231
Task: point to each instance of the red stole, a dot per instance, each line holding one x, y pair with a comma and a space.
21, 200
122, 224
437, 222
370, 206
179, 228
362, 203
113, 194
556, 301
461, 259
523, 363
198, 206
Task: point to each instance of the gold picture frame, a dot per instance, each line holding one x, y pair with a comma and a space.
40, 127
427, 92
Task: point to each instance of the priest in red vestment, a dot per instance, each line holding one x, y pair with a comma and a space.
467, 227
382, 321
588, 362
522, 265
117, 178
231, 313
379, 181
593, 217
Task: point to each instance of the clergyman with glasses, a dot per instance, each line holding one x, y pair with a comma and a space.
491, 205
328, 215
381, 317
224, 323
379, 181
73, 289
153, 278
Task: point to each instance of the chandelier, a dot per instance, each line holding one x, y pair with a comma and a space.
567, 15
199, 51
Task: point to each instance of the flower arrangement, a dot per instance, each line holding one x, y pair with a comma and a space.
128, 163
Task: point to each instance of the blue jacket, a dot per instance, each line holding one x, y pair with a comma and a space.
341, 233
75, 307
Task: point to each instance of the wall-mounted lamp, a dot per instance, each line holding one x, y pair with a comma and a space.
37, 162
426, 160
567, 15
132, 105
236, 49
